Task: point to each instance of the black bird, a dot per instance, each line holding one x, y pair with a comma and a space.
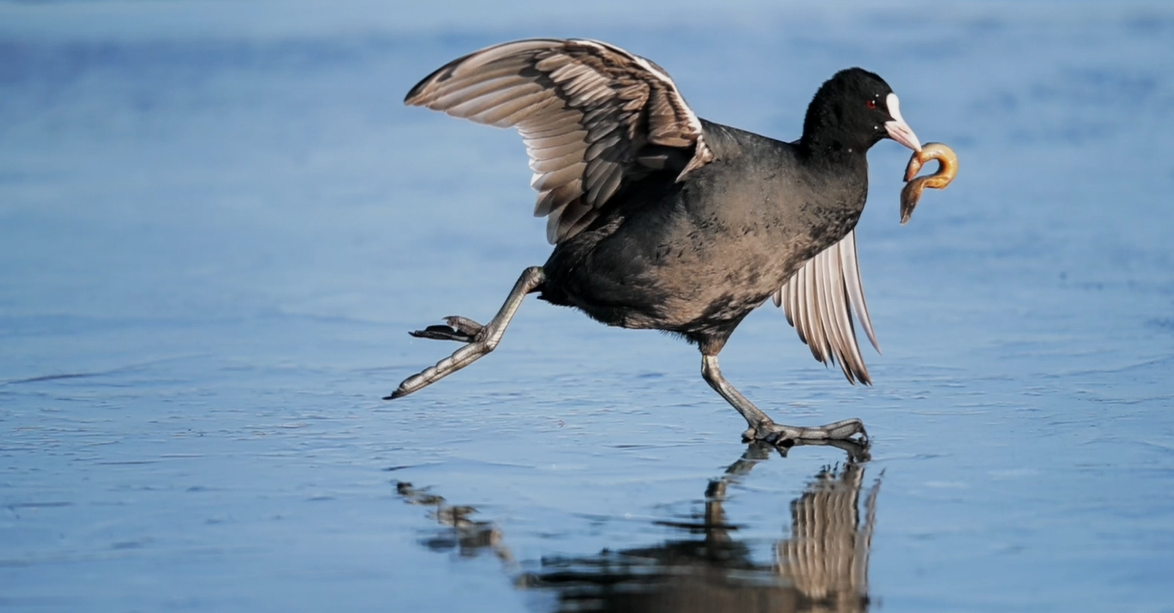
666, 221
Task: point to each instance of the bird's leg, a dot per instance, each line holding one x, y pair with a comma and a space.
762, 428
481, 339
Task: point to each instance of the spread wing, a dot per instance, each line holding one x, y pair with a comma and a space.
592, 116
819, 300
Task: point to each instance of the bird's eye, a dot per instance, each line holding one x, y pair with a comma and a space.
871, 104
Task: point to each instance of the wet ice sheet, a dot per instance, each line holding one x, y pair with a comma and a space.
213, 237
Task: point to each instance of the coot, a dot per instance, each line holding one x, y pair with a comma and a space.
666, 221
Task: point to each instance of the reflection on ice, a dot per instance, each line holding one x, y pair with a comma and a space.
466, 535
821, 566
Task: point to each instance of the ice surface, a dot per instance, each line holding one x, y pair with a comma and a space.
217, 222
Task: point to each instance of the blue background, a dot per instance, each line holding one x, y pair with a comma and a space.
217, 222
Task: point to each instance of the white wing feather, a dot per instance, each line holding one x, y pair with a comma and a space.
819, 301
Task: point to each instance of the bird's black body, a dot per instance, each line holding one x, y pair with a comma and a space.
664, 221
695, 257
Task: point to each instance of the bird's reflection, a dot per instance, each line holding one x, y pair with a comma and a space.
821, 566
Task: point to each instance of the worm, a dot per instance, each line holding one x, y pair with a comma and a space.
947, 170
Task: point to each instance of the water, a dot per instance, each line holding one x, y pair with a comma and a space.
216, 226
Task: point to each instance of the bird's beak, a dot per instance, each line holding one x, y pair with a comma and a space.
897, 128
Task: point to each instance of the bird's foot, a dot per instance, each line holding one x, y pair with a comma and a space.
851, 430
459, 328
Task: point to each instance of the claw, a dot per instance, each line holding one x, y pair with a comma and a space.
947, 170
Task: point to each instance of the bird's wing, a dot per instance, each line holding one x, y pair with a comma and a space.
588, 112
819, 300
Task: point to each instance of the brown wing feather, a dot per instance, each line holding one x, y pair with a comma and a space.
585, 110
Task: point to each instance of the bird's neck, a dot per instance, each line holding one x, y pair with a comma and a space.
827, 148
837, 162
837, 166
840, 174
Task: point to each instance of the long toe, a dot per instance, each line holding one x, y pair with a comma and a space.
846, 430
461, 329
464, 324
441, 332
408, 386
788, 436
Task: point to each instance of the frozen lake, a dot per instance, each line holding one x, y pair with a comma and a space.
216, 228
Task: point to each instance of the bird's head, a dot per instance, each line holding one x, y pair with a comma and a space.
854, 110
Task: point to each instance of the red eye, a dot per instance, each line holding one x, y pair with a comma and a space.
871, 104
